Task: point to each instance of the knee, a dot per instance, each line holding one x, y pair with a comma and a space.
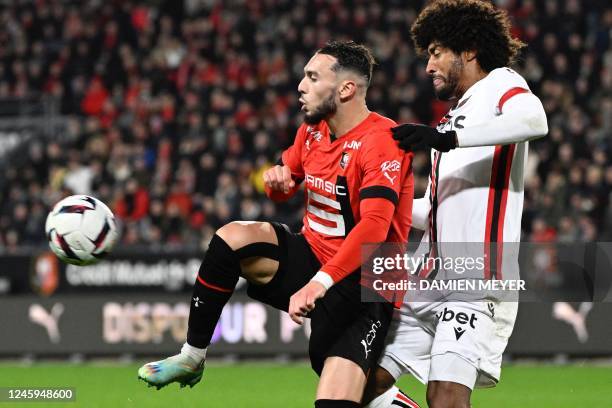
444, 394
235, 234
378, 383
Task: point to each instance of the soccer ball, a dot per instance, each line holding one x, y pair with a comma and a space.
81, 230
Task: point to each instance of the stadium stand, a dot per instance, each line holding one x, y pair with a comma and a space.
173, 112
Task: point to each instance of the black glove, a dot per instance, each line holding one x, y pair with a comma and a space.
411, 136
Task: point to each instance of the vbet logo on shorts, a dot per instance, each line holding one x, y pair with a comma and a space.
448, 315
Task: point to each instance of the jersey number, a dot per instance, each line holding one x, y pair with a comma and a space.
339, 230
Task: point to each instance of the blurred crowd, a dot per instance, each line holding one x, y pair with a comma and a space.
174, 109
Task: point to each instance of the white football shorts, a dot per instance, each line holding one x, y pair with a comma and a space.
461, 342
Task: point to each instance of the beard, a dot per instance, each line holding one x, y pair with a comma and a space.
325, 109
451, 82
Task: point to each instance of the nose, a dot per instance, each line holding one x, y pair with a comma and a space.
431, 67
302, 86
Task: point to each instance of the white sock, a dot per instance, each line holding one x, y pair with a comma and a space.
392, 395
196, 354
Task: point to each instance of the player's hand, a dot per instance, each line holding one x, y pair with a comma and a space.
278, 178
303, 301
411, 136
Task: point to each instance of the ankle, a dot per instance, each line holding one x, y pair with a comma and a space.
194, 353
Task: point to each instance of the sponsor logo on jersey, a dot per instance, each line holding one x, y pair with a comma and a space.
449, 122
325, 185
370, 337
344, 159
464, 320
390, 166
353, 144
312, 134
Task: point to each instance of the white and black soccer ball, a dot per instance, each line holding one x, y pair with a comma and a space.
81, 230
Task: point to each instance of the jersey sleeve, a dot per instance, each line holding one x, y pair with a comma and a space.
381, 166
519, 114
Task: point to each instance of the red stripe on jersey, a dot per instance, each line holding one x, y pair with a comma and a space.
509, 94
496, 206
502, 211
490, 204
211, 286
406, 400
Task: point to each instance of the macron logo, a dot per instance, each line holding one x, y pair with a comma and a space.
459, 332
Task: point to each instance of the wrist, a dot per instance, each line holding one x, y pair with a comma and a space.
324, 279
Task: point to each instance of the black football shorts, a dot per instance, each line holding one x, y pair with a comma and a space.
342, 325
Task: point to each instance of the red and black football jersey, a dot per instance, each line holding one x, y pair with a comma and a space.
338, 173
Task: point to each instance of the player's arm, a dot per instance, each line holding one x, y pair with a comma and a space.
283, 180
280, 183
382, 166
373, 227
521, 118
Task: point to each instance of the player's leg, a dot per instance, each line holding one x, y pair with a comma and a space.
447, 394
467, 350
407, 350
346, 340
381, 392
249, 249
341, 384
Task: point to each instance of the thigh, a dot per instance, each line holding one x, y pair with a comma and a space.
343, 326
407, 346
478, 333
297, 264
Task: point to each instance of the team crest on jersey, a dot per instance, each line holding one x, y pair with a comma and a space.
344, 160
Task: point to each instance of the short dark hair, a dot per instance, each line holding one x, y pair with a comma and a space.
464, 25
350, 56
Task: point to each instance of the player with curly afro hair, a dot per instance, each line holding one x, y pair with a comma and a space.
465, 40
464, 25
469, 48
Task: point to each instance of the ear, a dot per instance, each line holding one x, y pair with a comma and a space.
347, 89
469, 55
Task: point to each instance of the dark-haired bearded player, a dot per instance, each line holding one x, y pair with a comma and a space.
474, 200
358, 187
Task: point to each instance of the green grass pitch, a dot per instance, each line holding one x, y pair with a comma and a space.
266, 385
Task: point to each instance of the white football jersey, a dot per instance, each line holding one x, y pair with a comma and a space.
476, 193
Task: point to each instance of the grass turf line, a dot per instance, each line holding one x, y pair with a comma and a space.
268, 385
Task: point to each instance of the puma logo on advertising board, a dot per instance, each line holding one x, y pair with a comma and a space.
48, 320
